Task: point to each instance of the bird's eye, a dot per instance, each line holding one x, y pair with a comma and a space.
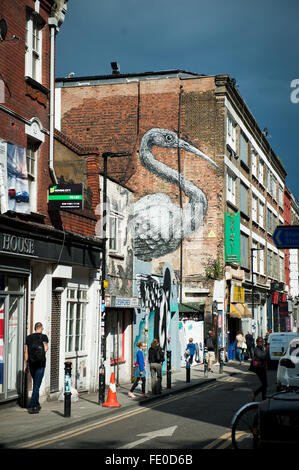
169, 137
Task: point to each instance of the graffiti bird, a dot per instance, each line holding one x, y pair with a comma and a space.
158, 224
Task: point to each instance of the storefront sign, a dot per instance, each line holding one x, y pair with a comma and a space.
232, 237
14, 244
237, 294
122, 302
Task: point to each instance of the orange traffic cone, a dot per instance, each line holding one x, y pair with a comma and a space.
111, 399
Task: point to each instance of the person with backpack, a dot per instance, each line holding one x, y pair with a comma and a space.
156, 359
36, 347
211, 346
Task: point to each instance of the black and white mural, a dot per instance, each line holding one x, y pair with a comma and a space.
157, 224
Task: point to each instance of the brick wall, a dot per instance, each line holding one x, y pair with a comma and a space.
115, 117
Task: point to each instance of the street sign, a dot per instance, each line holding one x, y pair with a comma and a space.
286, 236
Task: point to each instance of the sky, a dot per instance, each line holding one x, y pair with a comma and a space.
256, 42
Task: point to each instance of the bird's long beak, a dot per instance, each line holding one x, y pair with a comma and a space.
184, 145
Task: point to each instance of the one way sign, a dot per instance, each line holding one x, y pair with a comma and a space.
286, 236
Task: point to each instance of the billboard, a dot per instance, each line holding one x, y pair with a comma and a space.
65, 196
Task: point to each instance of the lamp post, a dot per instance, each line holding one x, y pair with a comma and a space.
104, 283
252, 280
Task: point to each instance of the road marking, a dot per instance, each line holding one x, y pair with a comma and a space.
91, 427
166, 432
223, 440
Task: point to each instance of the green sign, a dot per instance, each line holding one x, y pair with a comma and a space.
232, 237
65, 196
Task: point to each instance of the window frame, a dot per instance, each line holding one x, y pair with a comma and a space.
243, 203
231, 187
81, 301
33, 55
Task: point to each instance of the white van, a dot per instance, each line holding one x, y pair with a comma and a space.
277, 346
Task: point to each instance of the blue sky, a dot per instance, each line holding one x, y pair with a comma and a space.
255, 42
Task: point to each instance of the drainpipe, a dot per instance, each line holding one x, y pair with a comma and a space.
53, 24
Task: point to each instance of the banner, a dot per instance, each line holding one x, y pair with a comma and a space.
14, 179
232, 237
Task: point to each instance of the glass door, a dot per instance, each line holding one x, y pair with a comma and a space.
12, 311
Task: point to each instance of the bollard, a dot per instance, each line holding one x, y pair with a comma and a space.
67, 389
221, 360
101, 383
168, 369
188, 369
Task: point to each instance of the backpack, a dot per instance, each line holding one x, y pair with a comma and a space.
160, 355
37, 351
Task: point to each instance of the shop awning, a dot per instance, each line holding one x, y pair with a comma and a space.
192, 307
239, 311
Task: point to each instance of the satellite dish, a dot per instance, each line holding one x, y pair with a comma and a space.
3, 29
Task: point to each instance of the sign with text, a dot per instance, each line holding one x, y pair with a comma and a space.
232, 237
65, 196
286, 236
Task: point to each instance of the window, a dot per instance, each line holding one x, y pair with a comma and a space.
76, 320
275, 266
31, 158
273, 188
274, 222
254, 163
261, 172
114, 233
261, 214
243, 149
243, 199
33, 47
254, 208
261, 264
254, 257
281, 269
269, 263
231, 133
269, 221
280, 195
269, 181
244, 250
231, 188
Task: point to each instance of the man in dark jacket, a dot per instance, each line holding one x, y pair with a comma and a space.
250, 344
35, 359
260, 358
156, 359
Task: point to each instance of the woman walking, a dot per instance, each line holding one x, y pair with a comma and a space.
139, 371
156, 358
241, 346
259, 366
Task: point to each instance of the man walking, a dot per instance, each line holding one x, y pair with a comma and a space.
35, 358
250, 344
192, 349
211, 346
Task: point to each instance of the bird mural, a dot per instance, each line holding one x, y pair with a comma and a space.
158, 225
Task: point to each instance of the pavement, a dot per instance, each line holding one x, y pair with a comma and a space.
18, 426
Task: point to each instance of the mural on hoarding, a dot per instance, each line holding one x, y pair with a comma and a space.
158, 295
159, 225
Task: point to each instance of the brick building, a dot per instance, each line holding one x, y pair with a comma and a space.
180, 221
49, 260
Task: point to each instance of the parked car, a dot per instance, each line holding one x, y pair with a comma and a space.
277, 346
288, 367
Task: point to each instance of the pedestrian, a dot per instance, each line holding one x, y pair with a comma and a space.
156, 359
139, 370
211, 346
192, 349
241, 346
250, 344
36, 347
259, 366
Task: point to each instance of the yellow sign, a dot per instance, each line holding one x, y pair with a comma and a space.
212, 234
105, 284
238, 294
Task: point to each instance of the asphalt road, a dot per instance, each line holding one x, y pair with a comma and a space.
196, 419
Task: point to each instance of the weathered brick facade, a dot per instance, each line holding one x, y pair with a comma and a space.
115, 117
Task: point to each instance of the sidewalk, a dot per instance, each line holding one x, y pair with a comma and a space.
17, 425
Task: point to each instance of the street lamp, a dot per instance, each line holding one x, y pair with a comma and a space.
104, 283
252, 281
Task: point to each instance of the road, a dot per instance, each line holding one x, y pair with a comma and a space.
196, 419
